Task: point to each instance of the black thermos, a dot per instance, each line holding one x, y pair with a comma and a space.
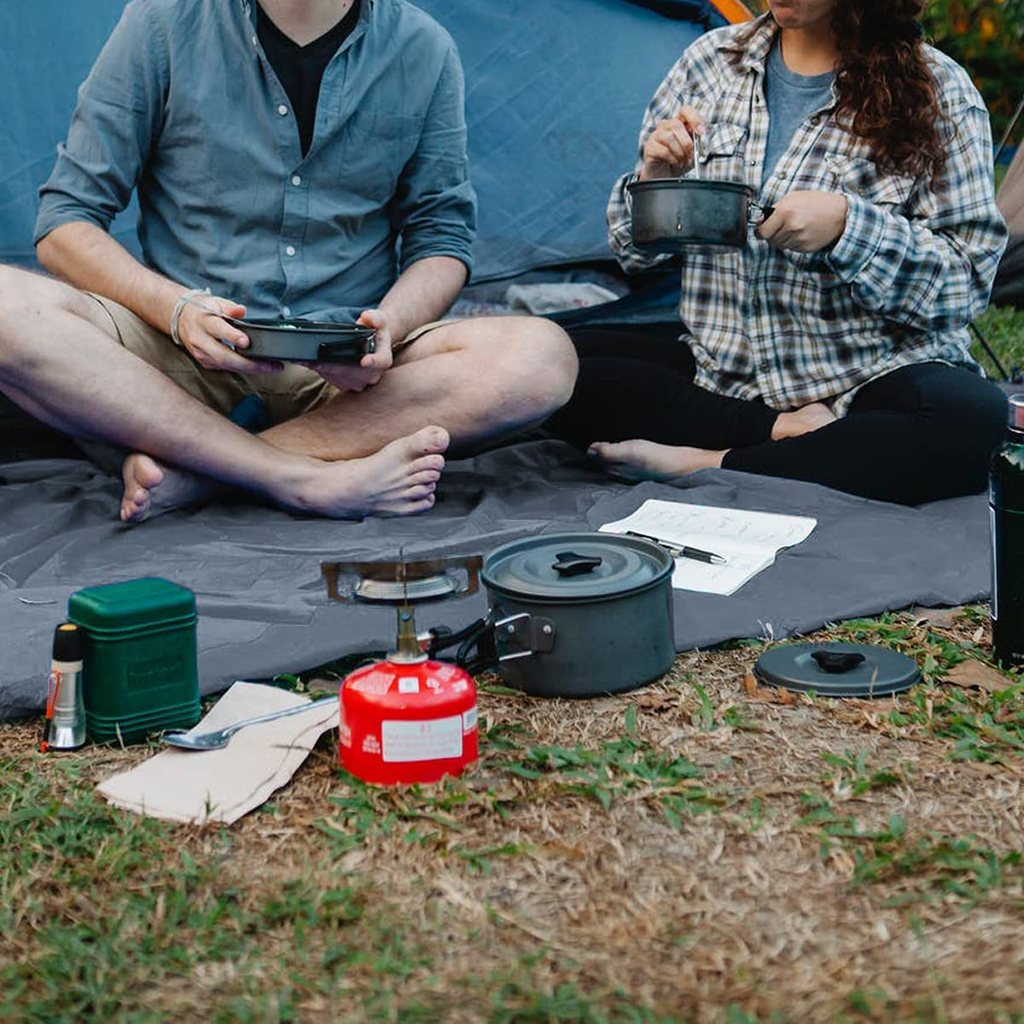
1006, 511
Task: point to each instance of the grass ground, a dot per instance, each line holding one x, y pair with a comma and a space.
1003, 329
699, 850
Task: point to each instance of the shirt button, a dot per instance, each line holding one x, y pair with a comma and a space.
296, 180
282, 110
290, 250
815, 120
781, 175
286, 311
753, 163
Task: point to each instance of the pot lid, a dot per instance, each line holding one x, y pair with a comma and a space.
838, 669
576, 566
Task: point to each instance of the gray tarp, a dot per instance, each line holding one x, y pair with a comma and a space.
263, 607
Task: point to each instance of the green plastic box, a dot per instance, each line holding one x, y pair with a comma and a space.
140, 672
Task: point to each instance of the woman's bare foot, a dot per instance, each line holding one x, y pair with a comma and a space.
647, 460
802, 421
398, 480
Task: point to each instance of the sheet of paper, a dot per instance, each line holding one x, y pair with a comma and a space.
748, 541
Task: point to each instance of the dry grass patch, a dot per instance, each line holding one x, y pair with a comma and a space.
702, 849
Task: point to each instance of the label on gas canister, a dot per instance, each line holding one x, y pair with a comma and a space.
429, 739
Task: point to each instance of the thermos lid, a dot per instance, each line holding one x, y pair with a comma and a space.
67, 642
1015, 412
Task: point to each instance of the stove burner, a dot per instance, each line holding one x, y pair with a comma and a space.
400, 591
401, 582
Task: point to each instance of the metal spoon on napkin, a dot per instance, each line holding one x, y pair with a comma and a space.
219, 737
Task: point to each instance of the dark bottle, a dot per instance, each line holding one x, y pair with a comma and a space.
1006, 509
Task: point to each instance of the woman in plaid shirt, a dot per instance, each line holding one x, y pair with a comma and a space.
834, 347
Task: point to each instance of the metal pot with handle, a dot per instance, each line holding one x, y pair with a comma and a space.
673, 214
575, 615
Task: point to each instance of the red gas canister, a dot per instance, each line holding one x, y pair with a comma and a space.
404, 723
406, 718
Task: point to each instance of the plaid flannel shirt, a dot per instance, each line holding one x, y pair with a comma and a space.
912, 268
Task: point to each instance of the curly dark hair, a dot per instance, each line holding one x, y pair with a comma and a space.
886, 91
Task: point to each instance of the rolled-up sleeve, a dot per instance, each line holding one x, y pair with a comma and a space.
116, 120
932, 268
435, 205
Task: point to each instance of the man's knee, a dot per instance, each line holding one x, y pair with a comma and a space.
16, 290
543, 361
29, 298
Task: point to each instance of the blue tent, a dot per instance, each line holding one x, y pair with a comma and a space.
555, 93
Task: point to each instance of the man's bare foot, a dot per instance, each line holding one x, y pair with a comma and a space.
802, 421
647, 460
152, 487
399, 480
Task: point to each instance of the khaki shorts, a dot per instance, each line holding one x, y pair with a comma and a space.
289, 393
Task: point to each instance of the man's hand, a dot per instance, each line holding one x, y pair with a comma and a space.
210, 339
805, 221
371, 367
668, 151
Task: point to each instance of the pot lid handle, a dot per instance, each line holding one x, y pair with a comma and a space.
837, 661
568, 563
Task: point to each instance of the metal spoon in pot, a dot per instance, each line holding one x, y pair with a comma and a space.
219, 737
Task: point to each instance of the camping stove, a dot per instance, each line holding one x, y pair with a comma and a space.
407, 718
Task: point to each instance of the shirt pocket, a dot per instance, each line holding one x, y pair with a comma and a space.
378, 146
722, 151
856, 175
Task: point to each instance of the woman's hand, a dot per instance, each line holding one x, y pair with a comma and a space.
212, 341
805, 221
668, 151
371, 367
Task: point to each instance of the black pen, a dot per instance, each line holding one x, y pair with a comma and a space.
684, 551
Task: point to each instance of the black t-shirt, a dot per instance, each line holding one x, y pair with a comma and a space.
300, 68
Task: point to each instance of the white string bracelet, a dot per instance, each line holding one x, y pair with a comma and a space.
179, 306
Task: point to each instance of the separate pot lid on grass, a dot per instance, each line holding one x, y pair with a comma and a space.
837, 669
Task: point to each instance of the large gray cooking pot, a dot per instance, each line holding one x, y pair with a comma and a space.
671, 214
580, 614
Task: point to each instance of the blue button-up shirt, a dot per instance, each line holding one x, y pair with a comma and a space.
183, 104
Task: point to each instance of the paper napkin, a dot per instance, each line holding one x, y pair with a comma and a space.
222, 785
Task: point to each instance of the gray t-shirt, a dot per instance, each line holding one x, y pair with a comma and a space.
791, 98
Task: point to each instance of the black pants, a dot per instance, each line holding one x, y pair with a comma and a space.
918, 434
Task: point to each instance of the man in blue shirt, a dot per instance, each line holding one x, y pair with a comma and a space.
293, 158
